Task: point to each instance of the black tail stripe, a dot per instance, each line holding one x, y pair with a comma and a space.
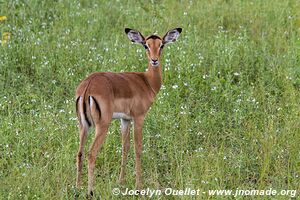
78, 116
85, 115
97, 106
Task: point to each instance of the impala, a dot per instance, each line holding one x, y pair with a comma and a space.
127, 96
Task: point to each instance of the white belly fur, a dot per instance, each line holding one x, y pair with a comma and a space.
119, 115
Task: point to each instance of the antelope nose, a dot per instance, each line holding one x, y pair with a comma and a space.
154, 60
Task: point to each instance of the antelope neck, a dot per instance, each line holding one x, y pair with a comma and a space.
154, 77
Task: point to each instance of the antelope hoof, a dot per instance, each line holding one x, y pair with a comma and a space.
90, 195
121, 181
139, 186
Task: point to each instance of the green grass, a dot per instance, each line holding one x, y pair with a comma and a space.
227, 117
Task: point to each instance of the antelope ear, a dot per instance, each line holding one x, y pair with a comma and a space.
172, 35
135, 36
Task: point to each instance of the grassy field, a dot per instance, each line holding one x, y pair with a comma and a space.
227, 116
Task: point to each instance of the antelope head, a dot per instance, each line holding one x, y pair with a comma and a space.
153, 44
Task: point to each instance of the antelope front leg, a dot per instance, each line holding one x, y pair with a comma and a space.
125, 131
138, 126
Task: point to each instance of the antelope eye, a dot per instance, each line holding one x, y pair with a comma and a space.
146, 47
161, 46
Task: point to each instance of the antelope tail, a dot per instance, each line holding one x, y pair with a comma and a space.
88, 111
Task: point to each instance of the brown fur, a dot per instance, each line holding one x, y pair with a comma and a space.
103, 93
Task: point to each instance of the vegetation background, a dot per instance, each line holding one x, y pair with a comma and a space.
227, 116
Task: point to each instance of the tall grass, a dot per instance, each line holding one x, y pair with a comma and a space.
227, 116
